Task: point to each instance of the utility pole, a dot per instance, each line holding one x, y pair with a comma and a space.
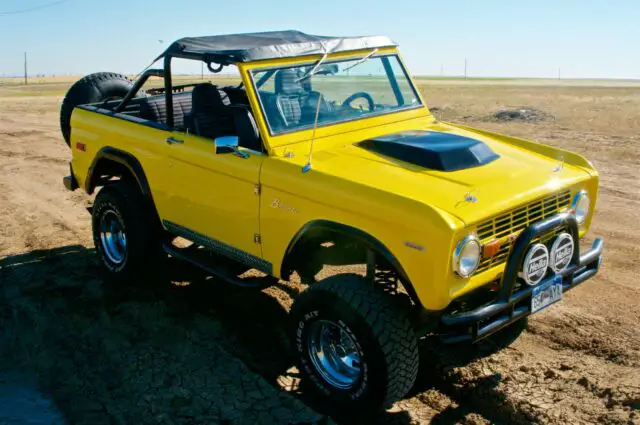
25, 69
202, 70
558, 73
465, 68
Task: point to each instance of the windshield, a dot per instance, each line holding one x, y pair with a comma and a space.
339, 91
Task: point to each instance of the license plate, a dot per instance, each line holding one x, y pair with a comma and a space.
547, 294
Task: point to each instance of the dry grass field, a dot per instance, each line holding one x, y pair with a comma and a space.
198, 353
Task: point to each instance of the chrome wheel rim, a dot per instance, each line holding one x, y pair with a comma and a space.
334, 354
113, 238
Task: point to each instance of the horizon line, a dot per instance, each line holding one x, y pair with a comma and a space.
429, 76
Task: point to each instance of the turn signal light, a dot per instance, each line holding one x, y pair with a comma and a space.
490, 248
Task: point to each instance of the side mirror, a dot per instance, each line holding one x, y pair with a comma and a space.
246, 128
226, 144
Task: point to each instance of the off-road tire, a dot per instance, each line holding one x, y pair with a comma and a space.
144, 255
387, 342
93, 88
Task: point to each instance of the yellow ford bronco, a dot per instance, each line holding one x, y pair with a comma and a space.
325, 163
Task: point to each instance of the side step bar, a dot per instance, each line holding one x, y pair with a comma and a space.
218, 270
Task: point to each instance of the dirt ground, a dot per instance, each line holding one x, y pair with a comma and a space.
189, 351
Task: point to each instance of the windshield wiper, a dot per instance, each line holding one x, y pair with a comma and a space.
361, 60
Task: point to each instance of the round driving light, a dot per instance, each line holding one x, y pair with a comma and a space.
580, 206
535, 264
561, 252
466, 256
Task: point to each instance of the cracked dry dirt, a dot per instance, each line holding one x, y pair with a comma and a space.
193, 352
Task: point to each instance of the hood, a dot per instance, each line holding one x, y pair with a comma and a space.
501, 175
434, 150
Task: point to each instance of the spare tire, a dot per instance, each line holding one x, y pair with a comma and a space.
93, 88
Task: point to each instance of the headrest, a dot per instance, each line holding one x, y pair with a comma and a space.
286, 82
207, 95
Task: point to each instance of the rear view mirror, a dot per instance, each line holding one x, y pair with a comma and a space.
328, 69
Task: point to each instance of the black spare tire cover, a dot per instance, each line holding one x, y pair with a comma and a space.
93, 88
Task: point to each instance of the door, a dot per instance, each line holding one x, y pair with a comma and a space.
214, 198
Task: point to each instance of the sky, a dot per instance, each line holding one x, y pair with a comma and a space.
499, 38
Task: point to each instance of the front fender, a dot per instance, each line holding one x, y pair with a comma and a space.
568, 157
325, 226
418, 236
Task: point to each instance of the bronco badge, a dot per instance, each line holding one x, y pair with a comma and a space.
277, 204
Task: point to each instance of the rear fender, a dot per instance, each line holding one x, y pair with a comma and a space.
125, 160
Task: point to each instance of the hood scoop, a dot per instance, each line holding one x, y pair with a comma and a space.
433, 150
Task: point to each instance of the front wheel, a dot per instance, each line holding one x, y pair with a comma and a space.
355, 349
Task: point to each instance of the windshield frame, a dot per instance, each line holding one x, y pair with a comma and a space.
394, 86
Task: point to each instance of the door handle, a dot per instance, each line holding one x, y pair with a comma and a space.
171, 141
237, 152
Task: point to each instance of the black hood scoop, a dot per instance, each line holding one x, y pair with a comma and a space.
434, 150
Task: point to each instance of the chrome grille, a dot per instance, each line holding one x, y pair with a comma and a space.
506, 226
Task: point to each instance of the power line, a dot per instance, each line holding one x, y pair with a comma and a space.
33, 9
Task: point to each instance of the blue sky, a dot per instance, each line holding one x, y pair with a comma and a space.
586, 39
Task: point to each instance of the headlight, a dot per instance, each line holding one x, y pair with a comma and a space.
580, 206
466, 256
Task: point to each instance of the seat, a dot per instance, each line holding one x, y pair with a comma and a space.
290, 94
246, 128
154, 108
210, 113
237, 95
296, 101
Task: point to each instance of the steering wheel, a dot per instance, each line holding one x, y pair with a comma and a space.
361, 94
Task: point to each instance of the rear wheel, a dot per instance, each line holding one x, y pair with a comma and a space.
356, 350
126, 234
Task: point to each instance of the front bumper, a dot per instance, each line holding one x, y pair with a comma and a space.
470, 326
